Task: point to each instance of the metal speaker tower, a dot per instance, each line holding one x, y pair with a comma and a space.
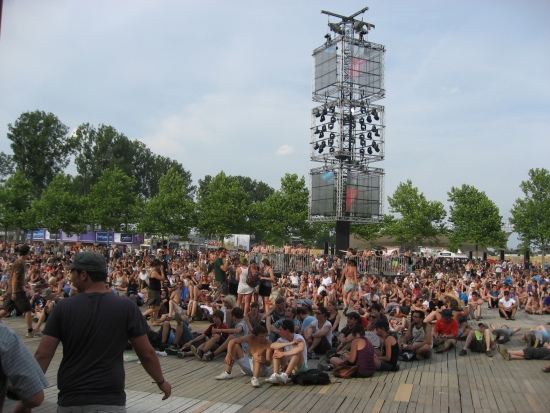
347, 127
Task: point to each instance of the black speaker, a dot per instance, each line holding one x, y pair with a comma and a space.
527, 259
470, 255
484, 256
325, 248
502, 255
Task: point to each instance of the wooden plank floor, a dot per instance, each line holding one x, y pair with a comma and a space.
446, 383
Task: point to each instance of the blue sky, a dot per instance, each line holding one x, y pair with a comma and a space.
226, 85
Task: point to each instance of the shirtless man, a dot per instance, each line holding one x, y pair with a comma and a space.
251, 354
174, 304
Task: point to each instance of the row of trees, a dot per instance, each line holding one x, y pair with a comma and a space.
122, 186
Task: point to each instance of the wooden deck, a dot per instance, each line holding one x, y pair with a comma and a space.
446, 383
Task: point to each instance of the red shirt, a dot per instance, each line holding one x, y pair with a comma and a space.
208, 331
447, 328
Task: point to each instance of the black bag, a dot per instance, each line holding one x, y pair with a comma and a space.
311, 376
251, 280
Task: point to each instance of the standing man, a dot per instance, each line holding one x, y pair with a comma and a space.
220, 270
94, 327
16, 294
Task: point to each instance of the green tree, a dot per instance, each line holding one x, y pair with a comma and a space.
41, 148
112, 203
531, 214
15, 203
222, 206
418, 220
475, 219
172, 211
285, 213
369, 232
104, 147
7, 167
59, 208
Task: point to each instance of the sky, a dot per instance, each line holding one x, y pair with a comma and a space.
227, 85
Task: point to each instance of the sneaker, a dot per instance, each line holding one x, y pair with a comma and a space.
312, 356
161, 353
181, 354
463, 352
225, 376
490, 353
33, 334
282, 378
208, 356
440, 348
255, 382
197, 353
272, 379
172, 351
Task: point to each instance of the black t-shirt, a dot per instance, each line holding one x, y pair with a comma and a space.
94, 329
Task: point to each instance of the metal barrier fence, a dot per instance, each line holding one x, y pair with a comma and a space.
388, 266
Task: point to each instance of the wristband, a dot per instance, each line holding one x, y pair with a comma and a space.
160, 383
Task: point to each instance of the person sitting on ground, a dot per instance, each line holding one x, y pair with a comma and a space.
507, 306
214, 340
288, 353
445, 331
275, 313
361, 354
240, 330
503, 334
546, 303
533, 304
319, 333
417, 341
253, 319
251, 353
387, 360
481, 341
290, 314
346, 336
475, 304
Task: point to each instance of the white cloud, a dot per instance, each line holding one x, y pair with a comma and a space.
285, 150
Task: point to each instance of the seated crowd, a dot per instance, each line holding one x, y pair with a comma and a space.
266, 323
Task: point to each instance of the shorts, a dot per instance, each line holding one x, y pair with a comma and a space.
536, 353
264, 290
21, 303
386, 366
349, 288
246, 364
303, 368
478, 346
154, 298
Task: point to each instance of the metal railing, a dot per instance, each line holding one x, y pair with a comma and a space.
388, 266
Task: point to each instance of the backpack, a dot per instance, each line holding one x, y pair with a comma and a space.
311, 376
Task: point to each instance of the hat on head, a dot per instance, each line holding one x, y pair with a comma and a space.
483, 324
447, 313
354, 315
308, 302
89, 261
382, 323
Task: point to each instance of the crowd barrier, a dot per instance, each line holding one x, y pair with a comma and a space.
387, 266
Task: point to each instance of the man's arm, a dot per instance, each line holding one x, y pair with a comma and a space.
46, 351
150, 363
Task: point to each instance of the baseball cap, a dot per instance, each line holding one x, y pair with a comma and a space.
447, 313
89, 261
308, 302
483, 324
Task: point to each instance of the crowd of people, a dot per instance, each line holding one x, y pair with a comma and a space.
266, 322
